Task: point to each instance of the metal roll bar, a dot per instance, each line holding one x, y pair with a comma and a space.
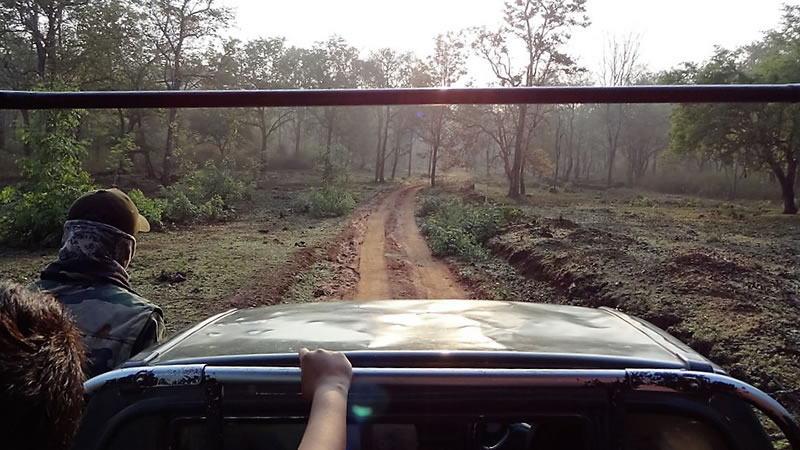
786, 93
662, 380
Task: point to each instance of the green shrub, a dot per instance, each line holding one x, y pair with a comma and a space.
330, 201
33, 212
454, 228
210, 181
212, 210
179, 208
151, 208
35, 217
204, 195
430, 205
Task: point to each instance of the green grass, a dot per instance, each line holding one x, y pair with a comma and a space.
221, 260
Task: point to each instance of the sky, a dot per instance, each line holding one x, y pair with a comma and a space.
670, 32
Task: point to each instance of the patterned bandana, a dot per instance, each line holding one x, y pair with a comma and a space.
92, 251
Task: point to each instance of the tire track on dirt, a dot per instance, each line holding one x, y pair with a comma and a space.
395, 259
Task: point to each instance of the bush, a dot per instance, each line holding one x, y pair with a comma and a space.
458, 229
35, 217
430, 205
34, 211
179, 208
330, 201
212, 210
204, 196
204, 184
151, 208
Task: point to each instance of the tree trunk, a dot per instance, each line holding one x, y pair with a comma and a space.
262, 127
263, 151
430, 162
298, 128
410, 153
328, 171
515, 188
555, 171
378, 157
787, 188
434, 156
613, 140
396, 155
172, 137
488, 163
612, 153
382, 165
26, 122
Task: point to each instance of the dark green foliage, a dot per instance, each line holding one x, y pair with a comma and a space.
34, 211
455, 228
151, 208
430, 205
204, 184
179, 208
205, 195
330, 201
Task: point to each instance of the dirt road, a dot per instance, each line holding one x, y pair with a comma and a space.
395, 261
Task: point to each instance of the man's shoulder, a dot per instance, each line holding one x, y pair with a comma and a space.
69, 293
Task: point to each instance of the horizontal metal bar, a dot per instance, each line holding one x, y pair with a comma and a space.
147, 377
785, 93
431, 377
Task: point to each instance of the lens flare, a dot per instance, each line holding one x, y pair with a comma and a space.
361, 412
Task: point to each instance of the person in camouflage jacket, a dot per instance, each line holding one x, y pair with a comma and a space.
91, 280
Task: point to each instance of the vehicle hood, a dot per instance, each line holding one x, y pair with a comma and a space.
440, 326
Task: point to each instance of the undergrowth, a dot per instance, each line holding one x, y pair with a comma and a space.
455, 228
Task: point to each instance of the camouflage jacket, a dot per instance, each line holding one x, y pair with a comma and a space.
90, 280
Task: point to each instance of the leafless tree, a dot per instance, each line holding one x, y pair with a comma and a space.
620, 67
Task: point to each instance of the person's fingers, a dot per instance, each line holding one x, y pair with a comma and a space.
302, 353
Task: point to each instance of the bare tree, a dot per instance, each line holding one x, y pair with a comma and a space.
620, 67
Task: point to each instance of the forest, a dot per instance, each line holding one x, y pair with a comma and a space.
728, 151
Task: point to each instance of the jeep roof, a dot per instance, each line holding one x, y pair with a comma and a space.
413, 333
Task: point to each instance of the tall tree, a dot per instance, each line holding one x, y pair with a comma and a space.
386, 68
260, 67
752, 136
179, 28
445, 67
620, 68
537, 29
334, 65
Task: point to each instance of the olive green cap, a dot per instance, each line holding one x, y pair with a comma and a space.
111, 207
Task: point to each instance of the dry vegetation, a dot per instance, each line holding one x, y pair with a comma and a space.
195, 271
720, 276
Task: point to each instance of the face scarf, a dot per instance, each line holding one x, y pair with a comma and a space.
92, 251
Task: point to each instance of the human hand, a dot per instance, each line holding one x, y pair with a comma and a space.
322, 370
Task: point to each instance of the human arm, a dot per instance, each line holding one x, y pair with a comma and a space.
325, 381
